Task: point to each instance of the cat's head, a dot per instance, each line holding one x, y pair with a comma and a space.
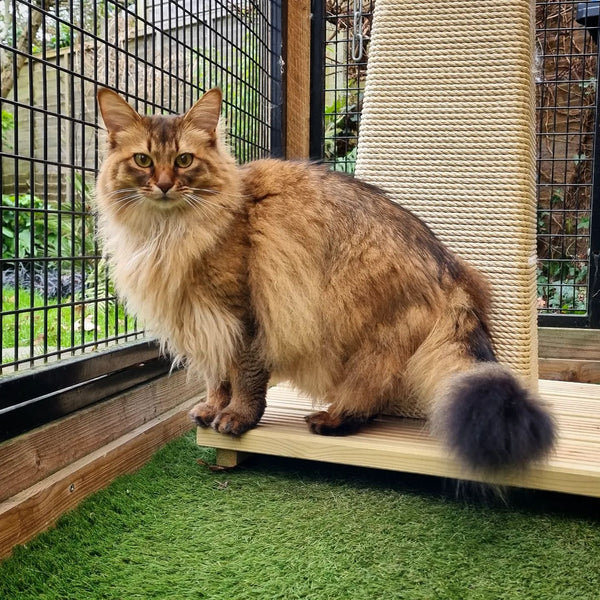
160, 165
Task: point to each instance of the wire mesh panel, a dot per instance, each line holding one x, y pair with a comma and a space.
566, 125
567, 98
346, 38
57, 298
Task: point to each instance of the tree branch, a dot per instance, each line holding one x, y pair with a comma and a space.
22, 48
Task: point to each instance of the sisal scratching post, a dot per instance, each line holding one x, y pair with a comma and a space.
448, 131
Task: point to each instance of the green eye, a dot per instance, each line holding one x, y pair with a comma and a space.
184, 160
142, 160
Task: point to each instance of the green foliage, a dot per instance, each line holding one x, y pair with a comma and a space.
239, 77
8, 125
562, 286
34, 229
61, 38
28, 231
84, 225
55, 325
562, 275
589, 85
31, 229
346, 164
99, 284
341, 130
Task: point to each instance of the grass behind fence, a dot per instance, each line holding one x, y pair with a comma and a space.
50, 327
299, 530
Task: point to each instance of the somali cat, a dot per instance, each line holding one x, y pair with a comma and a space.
286, 269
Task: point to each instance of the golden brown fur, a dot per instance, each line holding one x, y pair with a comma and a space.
283, 269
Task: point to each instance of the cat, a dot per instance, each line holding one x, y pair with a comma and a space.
286, 269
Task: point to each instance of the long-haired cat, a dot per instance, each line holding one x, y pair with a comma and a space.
286, 269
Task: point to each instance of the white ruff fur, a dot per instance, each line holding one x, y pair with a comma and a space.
151, 266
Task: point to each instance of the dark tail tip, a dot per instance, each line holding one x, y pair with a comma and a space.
492, 422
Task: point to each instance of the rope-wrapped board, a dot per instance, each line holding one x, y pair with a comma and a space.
448, 131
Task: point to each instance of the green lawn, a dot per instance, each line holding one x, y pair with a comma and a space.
59, 326
297, 530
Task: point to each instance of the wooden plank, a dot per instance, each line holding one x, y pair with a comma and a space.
35, 509
230, 458
297, 78
33, 456
405, 445
560, 369
569, 343
578, 393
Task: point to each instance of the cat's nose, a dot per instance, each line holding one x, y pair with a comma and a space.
164, 182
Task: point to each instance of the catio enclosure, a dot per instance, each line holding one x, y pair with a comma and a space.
57, 298
72, 359
293, 75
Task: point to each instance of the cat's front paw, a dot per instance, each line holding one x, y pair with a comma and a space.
203, 414
233, 422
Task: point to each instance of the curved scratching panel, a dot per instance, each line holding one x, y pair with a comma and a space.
448, 131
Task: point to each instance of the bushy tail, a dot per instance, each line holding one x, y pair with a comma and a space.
479, 408
490, 421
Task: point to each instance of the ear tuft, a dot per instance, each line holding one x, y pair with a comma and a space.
116, 113
205, 113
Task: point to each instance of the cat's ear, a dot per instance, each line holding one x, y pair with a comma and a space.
116, 113
205, 113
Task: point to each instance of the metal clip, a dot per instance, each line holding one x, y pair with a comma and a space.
357, 36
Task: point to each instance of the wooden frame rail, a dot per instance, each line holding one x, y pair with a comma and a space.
48, 471
297, 22
569, 354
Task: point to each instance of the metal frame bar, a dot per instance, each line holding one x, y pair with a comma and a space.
317, 93
594, 257
41, 395
277, 79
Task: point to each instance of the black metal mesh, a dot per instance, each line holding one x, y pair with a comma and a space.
57, 299
566, 124
347, 34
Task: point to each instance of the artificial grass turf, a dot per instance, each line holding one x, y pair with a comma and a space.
285, 529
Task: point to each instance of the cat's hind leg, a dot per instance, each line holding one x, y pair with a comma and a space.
331, 422
370, 382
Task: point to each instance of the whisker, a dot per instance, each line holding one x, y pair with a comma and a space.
217, 192
126, 202
135, 195
200, 205
197, 209
121, 191
205, 204
206, 190
205, 201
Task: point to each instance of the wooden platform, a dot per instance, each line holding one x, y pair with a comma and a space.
405, 445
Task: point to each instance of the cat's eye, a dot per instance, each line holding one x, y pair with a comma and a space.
184, 160
142, 160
